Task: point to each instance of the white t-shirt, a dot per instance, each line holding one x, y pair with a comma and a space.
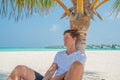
64, 61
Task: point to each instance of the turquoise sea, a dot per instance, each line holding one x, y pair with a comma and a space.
50, 49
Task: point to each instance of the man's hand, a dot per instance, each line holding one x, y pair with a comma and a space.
50, 72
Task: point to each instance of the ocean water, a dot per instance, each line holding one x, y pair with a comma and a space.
51, 49
30, 49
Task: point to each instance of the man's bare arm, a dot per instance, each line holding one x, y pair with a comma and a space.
50, 72
60, 77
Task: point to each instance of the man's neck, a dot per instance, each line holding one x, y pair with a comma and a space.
70, 50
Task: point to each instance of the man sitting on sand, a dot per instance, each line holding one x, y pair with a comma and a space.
67, 65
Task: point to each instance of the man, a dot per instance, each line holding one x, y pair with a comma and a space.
67, 65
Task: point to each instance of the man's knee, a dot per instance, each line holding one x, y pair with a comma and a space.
20, 67
75, 72
21, 70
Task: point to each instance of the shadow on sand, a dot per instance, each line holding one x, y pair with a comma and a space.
93, 76
87, 76
3, 76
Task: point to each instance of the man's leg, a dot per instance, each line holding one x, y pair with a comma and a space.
23, 72
75, 72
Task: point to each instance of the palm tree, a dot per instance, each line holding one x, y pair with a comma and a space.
80, 13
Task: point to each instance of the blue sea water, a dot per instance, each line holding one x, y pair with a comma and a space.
29, 49
50, 49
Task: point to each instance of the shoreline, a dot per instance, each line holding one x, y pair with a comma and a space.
4, 51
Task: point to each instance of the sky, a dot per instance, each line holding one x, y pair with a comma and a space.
47, 30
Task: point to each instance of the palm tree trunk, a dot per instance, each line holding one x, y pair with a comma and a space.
82, 23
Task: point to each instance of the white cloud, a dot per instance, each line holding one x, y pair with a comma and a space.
54, 28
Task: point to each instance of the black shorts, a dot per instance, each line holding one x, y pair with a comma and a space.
38, 76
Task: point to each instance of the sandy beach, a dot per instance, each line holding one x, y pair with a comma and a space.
100, 65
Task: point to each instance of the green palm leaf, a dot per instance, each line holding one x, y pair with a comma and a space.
116, 8
19, 8
26, 8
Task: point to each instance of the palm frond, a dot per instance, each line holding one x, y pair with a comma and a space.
100, 4
116, 8
80, 6
64, 7
94, 3
18, 8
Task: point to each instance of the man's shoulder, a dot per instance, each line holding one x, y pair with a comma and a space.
61, 52
80, 53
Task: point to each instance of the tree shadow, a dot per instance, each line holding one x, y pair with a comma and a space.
88, 75
3, 76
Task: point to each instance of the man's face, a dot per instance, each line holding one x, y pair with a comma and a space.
68, 40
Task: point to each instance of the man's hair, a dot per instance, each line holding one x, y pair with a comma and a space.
73, 33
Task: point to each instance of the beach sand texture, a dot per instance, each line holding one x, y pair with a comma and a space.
100, 65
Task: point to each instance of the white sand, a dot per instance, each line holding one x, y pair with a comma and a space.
100, 65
